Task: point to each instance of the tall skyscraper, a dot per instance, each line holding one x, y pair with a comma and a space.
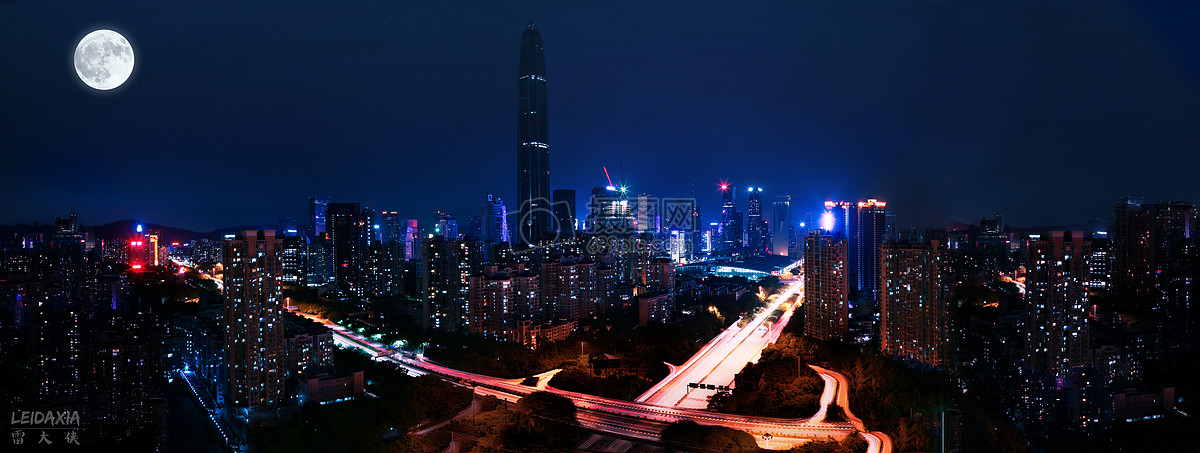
392, 227
533, 148
781, 227
756, 227
863, 224
731, 219
915, 301
253, 323
316, 215
348, 237
412, 240
826, 305
646, 217
447, 226
564, 212
495, 221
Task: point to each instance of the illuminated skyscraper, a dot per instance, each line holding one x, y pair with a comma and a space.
533, 149
781, 227
826, 305
495, 221
756, 227
349, 238
731, 219
447, 226
316, 215
863, 225
253, 323
391, 227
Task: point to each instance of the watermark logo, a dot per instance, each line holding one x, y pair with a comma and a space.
66, 423
537, 223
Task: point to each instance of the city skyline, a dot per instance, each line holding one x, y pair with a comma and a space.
294, 227
620, 84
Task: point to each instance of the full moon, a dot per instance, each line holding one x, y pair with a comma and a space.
104, 59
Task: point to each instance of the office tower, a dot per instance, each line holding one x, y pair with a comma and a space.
570, 288
253, 323
495, 221
646, 216
1056, 317
781, 226
863, 224
533, 148
756, 228
288, 227
316, 262
826, 302
412, 240
731, 219
370, 226
474, 228
564, 212
1100, 262
868, 232
391, 227
914, 322
316, 215
610, 212
500, 299
1133, 256
291, 259
155, 256
447, 226
348, 239
696, 230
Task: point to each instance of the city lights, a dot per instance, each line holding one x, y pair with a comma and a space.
827, 221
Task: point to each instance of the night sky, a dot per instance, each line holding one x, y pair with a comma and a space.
238, 111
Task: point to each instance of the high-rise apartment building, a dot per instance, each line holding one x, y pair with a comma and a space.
826, 302
500, 299
253, 323
1056, 316
915, 301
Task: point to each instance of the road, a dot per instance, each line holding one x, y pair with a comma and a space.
722, 358
645, 419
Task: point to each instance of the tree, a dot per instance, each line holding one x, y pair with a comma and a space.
545, 420
691, 436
